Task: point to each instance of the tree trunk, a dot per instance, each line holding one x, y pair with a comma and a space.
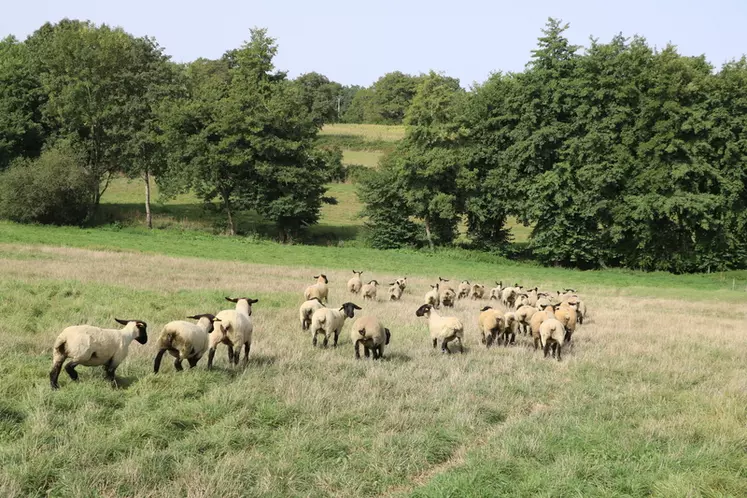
428, 234
231, 226
148, 215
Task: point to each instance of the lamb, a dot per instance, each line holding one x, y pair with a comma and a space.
395, 291
490, 322
463, 290
567, 315
318, 290
369, 332
495, 292
93, 346
581, 312
552, 335
329, 322
478, 291
523, 315
369, 290
306, 310
235, 330
508, 296
355, 283
536, 321
185, 340
522, 299
433, 297
402, 282
510, 327
448, 296
446, 328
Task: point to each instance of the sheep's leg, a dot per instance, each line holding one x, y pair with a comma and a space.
380, 349
513, 338
157, 362
337, 335
435, 341
367, 351
192, 362
445, 346
325, 342
54, 374
375, 351
70, 369
211, 355
357, 350
110, 368
230, 354
178, 363
547, 349
313, 339
559, 348
461, 346
247, 347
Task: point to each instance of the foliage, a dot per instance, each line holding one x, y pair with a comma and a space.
320, 97
51, 189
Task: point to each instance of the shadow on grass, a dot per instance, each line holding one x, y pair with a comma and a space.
125, 382
397, 357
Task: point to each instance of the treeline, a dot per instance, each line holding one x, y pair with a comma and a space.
617, 155
80, 103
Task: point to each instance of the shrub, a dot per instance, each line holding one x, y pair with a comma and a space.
52, 189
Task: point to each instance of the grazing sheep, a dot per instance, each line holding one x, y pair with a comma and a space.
93, 346
318, 290
552, 335
369, 290
184, 340
395, 291
478, 291
433, 297
236, 330
490, 322
523, 315
448, 297
510, 327
495, 292
463, 290
355, 283
446, 328
329, 322
306, 310
369, 332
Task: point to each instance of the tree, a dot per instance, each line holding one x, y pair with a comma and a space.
320, 96
359, 110
391, 95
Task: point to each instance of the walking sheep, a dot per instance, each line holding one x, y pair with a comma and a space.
184, 340
370, 289
355, 283
490, 323
306, 310
329, 322
369, 332
236, 330
447, 328
318, 290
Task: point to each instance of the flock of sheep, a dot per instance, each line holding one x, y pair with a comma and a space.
550, 318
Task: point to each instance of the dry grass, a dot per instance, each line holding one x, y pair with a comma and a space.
651, 399
371, 132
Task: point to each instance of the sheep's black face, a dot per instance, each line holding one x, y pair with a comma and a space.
325, 278
142, 334
426, 308
349, 309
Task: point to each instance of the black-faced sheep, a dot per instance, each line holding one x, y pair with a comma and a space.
318, 290
370, 289
490, 322
478, 291
184, 340
463, 289
355, 283
447, 328
433, 296
330, 321
372, 335
306, 310
235, 330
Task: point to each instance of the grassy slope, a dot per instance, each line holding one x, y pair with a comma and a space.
642, 405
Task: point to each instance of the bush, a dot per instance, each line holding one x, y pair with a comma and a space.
52, 189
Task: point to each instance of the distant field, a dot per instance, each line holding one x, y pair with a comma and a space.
385, 133
363, 157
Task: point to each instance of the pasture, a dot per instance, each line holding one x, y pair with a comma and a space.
651, 399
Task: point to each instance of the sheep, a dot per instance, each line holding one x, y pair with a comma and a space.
395, 291
93, 346
510, 327
536, 321
329, 321
433, 297
184, 340
369, 290
448, 296
319, 289
523, 315
543, 302
532, 296
490, 322
355, 283
306, 310
522, 299
446, 328
463, 289
402, 282
478, 291
581, 312
236, 330
369, 332
495, 292
508, 295
552, 335
567, 315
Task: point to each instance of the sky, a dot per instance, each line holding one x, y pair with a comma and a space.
357, 42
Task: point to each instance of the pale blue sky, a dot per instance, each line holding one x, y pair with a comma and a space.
356, 42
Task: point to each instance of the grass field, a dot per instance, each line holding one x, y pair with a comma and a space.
368, 132
651, 400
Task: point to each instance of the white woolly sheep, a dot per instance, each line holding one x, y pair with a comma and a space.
536, 321
532, 296
370, 333
318, 290
355, 283
552, 335
93, 346
490, 322
433, 297
446, 328
448, 297
402, 282
370, 289
478, 291
395, 291
235, 330
510, 327
495, 292
306, 310
184, 340
329, 322
463, 289
567, 315
523, 315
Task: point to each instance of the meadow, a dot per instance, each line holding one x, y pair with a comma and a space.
651, 399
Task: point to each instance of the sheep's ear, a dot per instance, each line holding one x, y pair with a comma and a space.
232, 299
356, 307
316, 276
487, 308
194, 317
252, 301
121, 322
391, 283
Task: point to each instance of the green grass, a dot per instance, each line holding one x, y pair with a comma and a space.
368, 132
651, 400
363, 157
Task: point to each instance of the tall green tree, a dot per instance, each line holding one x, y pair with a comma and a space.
320, 96
391, 95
